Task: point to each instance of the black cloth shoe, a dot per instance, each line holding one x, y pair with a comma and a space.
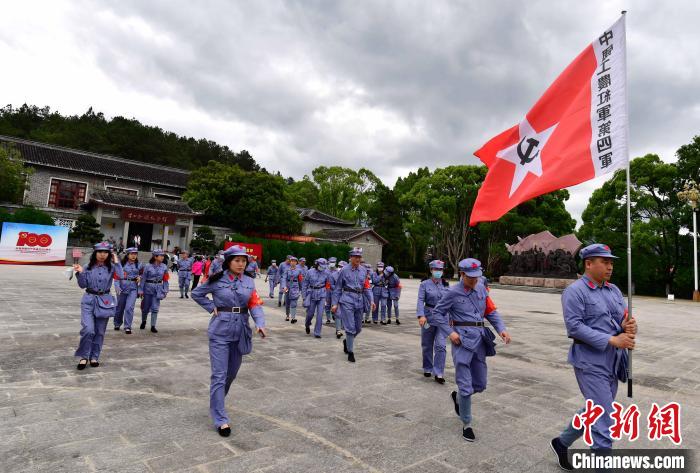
427, 375
116, 328
345, 347
286, 319
181, 296
383, 323
153, 329
308, 329
351, 357
562, 454
294, 321
376, 322
94, 364
397, 322
439, 380
187, 296
279, 304
338, 335
127, 331
81, 365
468, 434
224, 431
454, 399
143, 325
388, 322
317, 336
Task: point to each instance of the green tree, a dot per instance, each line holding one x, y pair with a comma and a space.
86, 230
417, 230
245, 201
660, 254
204, 241
302, 193
384, 215
13, 175
120, 136
689, 161
443, 201
345, 193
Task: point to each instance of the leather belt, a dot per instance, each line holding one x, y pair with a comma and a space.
430, 306
318, 287
154, 281
352, 289
466, 324
131, 279
234, 310
96, 293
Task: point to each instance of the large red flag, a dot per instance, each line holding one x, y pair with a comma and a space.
576, 131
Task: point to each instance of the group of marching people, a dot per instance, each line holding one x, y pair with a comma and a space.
315, 285
594, 313
132, 280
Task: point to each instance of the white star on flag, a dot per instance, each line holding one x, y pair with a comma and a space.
529, 138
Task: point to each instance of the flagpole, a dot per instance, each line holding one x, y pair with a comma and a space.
629, 242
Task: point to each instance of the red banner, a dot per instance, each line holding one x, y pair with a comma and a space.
279, 236
251, 248
146, 216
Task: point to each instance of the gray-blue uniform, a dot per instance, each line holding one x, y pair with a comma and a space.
432, 340
368, 309
217, 264
593, 314
314, 290
331, 271
284, 267
184, 275
338, 320
154, 286
271, 277
128, 291
463, 310
230, 336
378, 287
302, 266
252, 268
291, 281
393, 291
97, 304
352, 295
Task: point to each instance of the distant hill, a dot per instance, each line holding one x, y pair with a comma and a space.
119, 136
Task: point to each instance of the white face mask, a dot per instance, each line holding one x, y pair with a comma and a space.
437, 274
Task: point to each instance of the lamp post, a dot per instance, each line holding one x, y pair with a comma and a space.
691, 194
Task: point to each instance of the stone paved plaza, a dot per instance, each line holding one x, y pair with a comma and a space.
297, 404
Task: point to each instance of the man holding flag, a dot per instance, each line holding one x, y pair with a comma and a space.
575, 132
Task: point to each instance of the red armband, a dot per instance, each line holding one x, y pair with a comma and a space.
366, 283
166, 276
254, 300
490, 306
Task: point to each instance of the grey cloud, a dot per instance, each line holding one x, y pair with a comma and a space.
459, 72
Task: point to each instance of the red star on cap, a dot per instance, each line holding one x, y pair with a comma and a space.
607, 248
474, 265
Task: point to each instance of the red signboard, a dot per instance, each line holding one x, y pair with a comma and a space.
146, 216
278, 236
251, 248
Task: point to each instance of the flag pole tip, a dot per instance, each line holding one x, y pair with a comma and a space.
624, 11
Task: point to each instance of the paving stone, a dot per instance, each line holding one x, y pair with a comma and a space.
297, 404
